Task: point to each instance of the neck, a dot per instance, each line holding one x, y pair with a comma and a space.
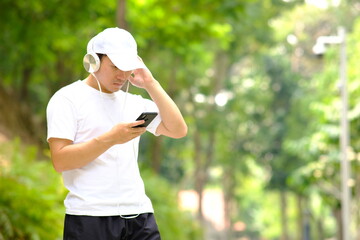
92, 82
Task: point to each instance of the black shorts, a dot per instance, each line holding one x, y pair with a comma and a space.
142, 227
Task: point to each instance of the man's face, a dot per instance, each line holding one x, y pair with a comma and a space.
110, 77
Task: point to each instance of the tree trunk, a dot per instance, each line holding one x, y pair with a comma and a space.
357, 206
203, 159
337, 215
307, 220
121, 15
199, 179
283, 206
229, 185
26, 76
17, 121
156, 151
300, 222
320, 229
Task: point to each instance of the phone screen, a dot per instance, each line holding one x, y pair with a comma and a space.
147, 117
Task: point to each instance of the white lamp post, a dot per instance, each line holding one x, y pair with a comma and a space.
319, 49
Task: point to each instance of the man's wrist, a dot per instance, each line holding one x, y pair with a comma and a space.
102, 140
152, 85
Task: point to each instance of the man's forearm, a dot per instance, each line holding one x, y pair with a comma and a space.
170, 114
66, 155
71, 156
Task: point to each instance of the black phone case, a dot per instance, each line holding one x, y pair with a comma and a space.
148, 117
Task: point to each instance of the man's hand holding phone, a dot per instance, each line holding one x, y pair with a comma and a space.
124, 132
147, 117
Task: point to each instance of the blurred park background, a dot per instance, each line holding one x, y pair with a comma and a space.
262, 156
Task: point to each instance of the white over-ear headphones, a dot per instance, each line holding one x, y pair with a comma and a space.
91, 60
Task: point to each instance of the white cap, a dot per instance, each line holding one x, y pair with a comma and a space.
119, 45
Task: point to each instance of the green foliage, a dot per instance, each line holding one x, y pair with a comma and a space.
317, 143
31, 195
173, 223
282, 114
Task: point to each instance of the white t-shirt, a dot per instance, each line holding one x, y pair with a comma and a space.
111, 184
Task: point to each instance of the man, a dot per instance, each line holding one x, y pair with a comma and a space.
94, 142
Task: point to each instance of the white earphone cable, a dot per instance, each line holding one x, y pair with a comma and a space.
101, 93
133, 142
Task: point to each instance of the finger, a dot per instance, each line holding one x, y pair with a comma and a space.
134, 124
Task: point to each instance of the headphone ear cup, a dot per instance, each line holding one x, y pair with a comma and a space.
91, 62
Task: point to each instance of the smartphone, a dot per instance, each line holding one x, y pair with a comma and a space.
148, 117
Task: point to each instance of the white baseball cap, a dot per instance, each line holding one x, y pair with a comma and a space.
119, 45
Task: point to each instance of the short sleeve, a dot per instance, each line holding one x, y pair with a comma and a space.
150, 106
61, 118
